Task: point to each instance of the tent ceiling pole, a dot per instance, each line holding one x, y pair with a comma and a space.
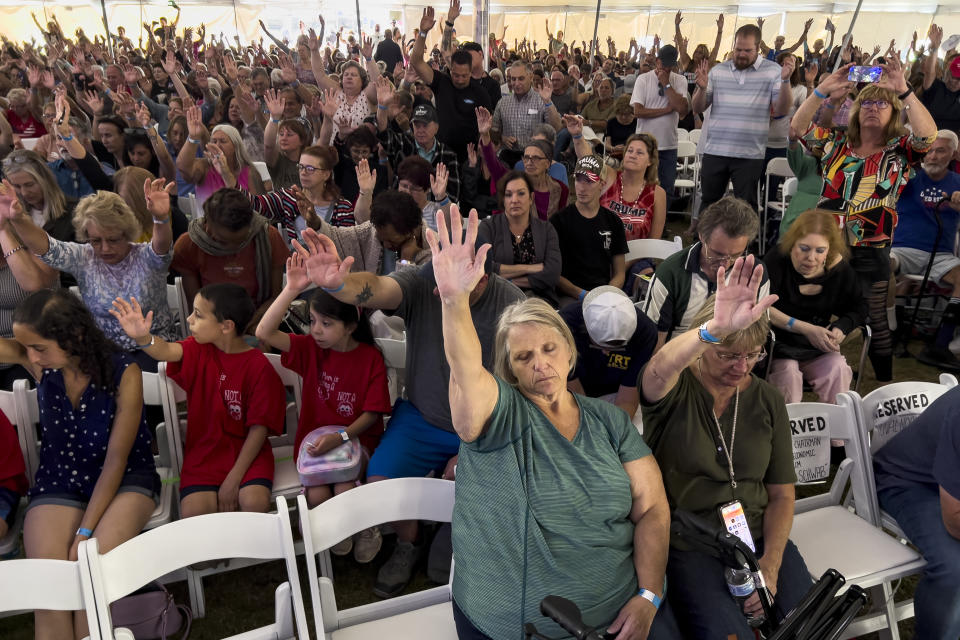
594, 45
359, 27
106, 28
849, 34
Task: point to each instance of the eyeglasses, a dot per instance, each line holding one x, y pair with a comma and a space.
879, 105
308, 169
749, 358
135, 131
17, 158
719, 258
534, 158
409, 188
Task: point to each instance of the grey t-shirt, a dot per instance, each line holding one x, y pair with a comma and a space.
428, 371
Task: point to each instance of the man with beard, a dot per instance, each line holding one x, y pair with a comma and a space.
741, 93
916, 232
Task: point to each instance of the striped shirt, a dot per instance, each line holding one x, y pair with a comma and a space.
280, 207
741, 101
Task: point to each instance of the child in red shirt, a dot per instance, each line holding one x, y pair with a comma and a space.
13, 477
234, 398
344, 382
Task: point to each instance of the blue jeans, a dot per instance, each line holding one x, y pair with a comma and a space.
703, 605
936, 601
667, 172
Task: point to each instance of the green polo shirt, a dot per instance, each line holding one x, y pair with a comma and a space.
539, 515
682, 433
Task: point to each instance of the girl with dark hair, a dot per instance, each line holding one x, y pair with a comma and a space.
96, 475
234, 399
344, 382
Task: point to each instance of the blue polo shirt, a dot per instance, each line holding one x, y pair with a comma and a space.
916, 223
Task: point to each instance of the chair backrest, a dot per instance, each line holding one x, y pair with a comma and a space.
29, 420
262, 169
890, 409
652, 248
154, 553
682, 134
812, 426
686, 149
177, 304
173, 394
790, 186
11, 408
394, 352
779, 167
57, 585
290, 379
695, 135
361, 508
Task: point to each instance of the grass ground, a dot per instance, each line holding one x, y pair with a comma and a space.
243, 599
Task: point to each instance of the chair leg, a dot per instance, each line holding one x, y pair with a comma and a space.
892, 632
195, 588
867, 336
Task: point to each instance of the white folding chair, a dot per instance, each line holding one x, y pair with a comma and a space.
779, 167
426, 615
8, 404
189, 206
395, 358
888, 410
695, 135
178, 307
687, 167
286, 481
151, 555
650, 248
56, 585
263, 170
829, 535
682, 134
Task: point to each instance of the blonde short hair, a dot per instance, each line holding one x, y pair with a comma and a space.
534, 311
750, 337
108, 211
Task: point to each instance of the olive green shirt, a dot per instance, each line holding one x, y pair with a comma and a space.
538, 515
682, 433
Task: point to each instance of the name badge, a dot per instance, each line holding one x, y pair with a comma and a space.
468, 101
532, 112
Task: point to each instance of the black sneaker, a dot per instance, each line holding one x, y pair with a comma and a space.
395, 574
939, 358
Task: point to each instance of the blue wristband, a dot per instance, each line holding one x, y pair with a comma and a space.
84, 532
705, 335
342, 284
817, 93
583, 294
578, 136
790, 322
381, 106
445, 200
654, 599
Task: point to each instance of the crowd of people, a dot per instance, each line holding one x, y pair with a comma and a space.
487, 205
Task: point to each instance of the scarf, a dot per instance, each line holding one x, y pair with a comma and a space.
259, 228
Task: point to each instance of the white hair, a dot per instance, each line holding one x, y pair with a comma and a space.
949, 136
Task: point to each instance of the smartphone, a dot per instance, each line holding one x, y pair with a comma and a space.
865, 74
735, 522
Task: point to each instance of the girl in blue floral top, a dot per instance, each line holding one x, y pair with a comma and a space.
96, 476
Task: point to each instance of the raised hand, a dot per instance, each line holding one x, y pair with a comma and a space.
195, 127
367, 49
427, 20
737, 306
807, 25
288, 71
810, 73
157, 194
893, 77
10, 207
169, 63
438, 182
47, 79
454, 12
760, 23
484, 120
544, 89
720, 21
456, 267
366, 179
247, 104
789, 64
143, 116
131, 318
678, 18
385, 90
472, 158
935, 35
574, 125
274, 103
297, 279
703, 74
215, 156
330, 104
94, 101
319, 254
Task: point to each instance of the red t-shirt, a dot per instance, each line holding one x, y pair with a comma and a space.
227, 393
28, 127
338, 386
637, 216
239, 268
13, 473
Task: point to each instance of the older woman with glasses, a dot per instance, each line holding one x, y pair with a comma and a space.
317, 197
527, 444
39, 195
550, 195
865, 168
722, 438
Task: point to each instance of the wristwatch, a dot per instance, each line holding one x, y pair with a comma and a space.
667, 86
344, 435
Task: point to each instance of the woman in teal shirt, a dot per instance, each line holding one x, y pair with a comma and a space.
556, 493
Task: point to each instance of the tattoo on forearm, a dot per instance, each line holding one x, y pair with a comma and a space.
365, 294
447, 41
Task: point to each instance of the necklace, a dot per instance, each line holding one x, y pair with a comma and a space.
733, 435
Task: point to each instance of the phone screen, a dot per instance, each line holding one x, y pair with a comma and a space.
865, 74
735, 522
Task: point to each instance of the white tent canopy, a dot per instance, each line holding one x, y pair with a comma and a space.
879, 22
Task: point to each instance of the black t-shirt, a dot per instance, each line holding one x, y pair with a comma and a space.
389, 51
588, 245
455, 107
944, 105
492, 87
620, 132
603, 371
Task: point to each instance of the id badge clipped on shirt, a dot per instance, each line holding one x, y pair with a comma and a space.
735, 522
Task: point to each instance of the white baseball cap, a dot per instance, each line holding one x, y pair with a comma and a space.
610, 317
